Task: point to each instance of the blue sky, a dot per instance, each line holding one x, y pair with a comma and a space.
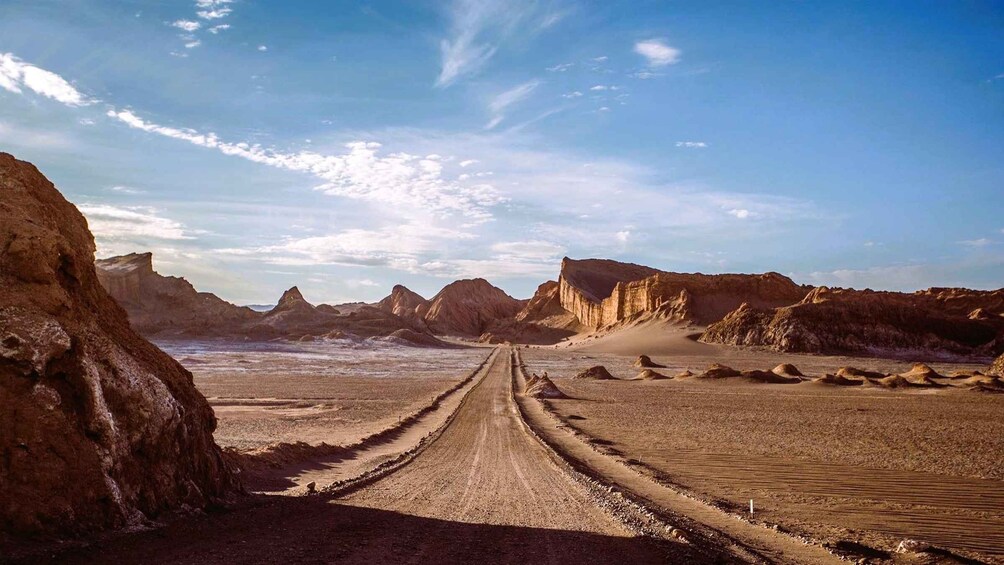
345, 147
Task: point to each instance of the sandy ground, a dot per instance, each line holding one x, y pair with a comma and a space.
482, 491
337, 393
845, 465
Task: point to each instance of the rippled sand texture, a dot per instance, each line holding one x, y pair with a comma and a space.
867, 465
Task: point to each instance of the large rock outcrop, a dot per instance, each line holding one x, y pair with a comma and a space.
469, 307
600, 293
541, 321
406, 304
167, 306
866, 321
98, 428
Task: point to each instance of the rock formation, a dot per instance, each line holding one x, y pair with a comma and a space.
597, 373
405, 304
469, 307
98, 428
865, 321
167, 306
600, 292
650, 375
644, 361
997, 368
542, 387
542, 321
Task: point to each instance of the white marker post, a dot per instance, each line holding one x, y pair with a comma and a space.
751, 508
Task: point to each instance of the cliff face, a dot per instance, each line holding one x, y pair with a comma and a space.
98, 428
599, 293
863, 321
167, 306
997, 367
406, 304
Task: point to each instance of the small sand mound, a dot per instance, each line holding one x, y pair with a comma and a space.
787, 370
838, 380
899, 381
851, 372
598, 373
646, 361
650, 375
965, 374
922, 371
768, 377
684, 375
542, 387
719, 371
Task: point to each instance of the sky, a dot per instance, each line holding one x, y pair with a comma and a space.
345, 147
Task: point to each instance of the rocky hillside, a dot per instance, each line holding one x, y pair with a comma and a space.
99, 428
542, 321
866, 321
406, 304
167, 306
469, 307
600, 292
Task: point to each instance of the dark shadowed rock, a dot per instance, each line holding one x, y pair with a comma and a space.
98, 428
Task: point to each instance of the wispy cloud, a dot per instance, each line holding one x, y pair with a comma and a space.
692, 144
207, 10
981, 242
573, 94
506, 99
657, 52
112, 224
478, 28
16, 75
740, 213
560, 68
403, 180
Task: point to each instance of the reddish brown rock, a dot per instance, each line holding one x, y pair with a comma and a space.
865, 321
469, 307
597, 373
98, 428
167, 306
997, 367
600, 293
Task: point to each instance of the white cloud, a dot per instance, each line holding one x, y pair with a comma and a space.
116, 228
573, 94
16, 75
478, 28
262, 48
600, 59
217, 29
603, 109
193, 44
623, 236
981, 242
602, 87
468, 162
410, 184
508, 98
740, 213
126, 189
186, 25
532, 250
657, 52
560, 68
692, 144
213, 14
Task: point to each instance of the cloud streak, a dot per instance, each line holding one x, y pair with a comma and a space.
16, 75
657, 52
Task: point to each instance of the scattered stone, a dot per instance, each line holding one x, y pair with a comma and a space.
719, 371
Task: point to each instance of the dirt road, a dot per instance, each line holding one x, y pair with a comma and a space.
484, 491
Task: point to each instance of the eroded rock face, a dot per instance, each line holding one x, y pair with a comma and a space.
600, 292
469, 307
864, 321
997, 367
98, 428
167, 306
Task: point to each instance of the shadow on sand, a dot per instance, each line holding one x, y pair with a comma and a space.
317, 529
